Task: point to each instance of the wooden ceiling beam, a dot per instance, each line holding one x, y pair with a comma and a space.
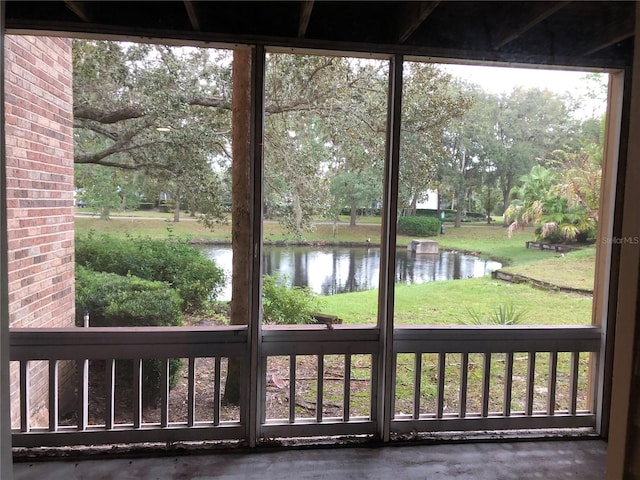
535, 13
612, 41
306, 7
80, 9
193, 15
611, 35
414, 15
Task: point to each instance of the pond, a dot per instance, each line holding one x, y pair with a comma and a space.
332, 270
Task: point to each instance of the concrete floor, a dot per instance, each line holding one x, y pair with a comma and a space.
549, 460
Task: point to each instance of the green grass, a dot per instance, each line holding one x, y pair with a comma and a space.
492, 241
154, 228
574, 269
449, 302
128, 214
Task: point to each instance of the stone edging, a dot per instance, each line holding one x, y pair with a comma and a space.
516, 278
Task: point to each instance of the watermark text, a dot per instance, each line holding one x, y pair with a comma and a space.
621, 240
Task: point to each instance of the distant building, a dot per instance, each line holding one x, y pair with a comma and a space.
431, 202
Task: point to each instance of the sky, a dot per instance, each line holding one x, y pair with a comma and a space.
505, 79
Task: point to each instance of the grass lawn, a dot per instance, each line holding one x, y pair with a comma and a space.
574, 269
449, 302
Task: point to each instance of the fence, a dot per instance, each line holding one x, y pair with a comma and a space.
312, 381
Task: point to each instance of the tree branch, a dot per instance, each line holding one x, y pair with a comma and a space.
89, 113
119, 146
217, 102
98, 129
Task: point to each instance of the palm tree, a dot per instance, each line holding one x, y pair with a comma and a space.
538, 201
529, 198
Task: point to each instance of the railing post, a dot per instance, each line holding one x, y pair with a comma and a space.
388, 250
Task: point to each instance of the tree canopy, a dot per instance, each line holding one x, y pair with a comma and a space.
160, 117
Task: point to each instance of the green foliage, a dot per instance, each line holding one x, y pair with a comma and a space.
503, 315
196, 278
283, 305
158, 127
543, 200
113, 300
99, 189
418, 226
427, 119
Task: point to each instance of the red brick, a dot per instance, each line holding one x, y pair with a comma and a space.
39, 141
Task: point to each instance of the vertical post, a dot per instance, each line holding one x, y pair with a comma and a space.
6, 459
191, 395
110, 390
531, 380
553, 379
292, 388
508, 384
346, 407
442, 363
164, 393
236, 384
417, 381
53, 396
624, 390
608, 254
256, 176
388, 250
136, 392
464, 377
486, 383
320, 388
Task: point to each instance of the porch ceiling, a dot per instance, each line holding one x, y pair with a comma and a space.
581, 34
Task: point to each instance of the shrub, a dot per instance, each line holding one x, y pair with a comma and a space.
418, 226
117, 301
285, 305
503, 315
125, 301
196, 278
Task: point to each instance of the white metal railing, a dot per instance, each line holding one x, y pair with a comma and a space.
519, 372
339, 344
127, 348
444, 379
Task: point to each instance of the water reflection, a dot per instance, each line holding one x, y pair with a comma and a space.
333, 270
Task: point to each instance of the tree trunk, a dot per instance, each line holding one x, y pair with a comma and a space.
240, 210
506, 190
458, 222
354, 214
459, 207
297, 213
489, 207
176, 209
505, 203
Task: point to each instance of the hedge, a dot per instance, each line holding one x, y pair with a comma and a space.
195, 277
418, 226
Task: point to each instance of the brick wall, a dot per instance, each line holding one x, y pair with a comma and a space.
39, 148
